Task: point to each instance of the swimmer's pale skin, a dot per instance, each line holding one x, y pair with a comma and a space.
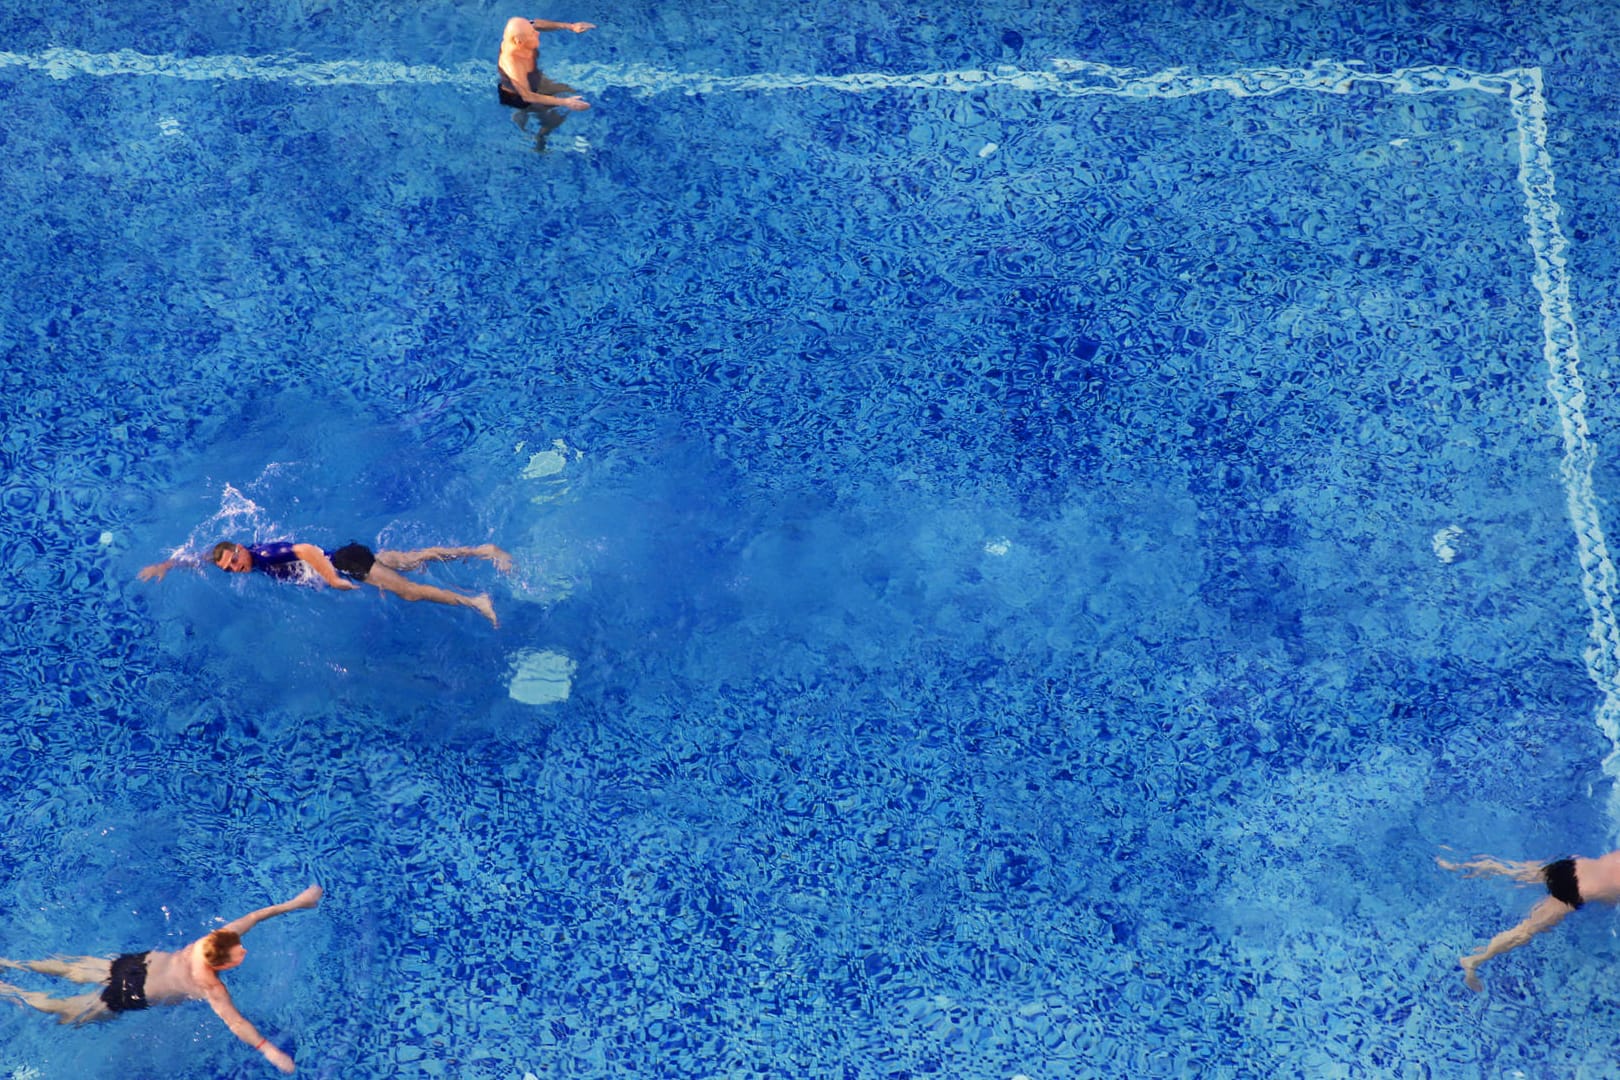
1597, 879
520, 54
171, 977
385, 572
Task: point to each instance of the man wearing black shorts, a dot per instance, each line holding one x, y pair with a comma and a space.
524, 87
1570, 884
137, 981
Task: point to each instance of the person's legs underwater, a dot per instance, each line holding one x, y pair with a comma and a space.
79, 1009
390, 580
407, 561
551, 117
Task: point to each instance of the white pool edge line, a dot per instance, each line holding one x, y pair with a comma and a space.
1522, 88
1561, 348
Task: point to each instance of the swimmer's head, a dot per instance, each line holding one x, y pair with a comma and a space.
223, 950
231, 557
521, 32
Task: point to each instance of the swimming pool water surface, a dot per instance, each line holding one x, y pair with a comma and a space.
1033, 527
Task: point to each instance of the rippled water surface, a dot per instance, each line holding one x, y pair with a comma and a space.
1032, 528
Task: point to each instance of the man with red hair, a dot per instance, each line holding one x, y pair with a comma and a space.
139, 980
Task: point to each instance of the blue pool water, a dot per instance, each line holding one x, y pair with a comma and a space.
1033, 527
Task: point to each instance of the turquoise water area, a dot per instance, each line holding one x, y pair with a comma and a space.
1032, 529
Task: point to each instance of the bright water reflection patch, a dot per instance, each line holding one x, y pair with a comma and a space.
540, 677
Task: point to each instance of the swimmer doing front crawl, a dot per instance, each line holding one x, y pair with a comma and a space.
384, 569
1570, 883
140, 980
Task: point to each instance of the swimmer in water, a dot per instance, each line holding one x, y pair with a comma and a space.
1570, 883
348, 564
140, 980
524, 87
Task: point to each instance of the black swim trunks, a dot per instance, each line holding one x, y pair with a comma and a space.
1560, 878
353, 561
126, 984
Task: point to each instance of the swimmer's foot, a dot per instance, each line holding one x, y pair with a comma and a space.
501, 559
520, 117
540, 144
483, 605
1470, 968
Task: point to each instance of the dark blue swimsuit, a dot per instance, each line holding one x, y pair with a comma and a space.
353, 561
278, 560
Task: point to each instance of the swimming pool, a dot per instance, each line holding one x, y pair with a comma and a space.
1032, 529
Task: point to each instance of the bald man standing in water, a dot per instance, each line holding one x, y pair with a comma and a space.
524, 87
140, 980
1570, 884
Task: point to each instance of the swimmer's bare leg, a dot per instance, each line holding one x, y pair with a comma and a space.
1527, 871
550, 120
79, 1009
80, 969
389, 581
1547, 913
406, 561
520, 117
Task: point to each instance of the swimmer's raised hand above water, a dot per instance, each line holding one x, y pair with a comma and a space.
354, 562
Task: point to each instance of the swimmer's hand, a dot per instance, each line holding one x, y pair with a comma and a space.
581, 27
278, 1058
156, 571
574, 104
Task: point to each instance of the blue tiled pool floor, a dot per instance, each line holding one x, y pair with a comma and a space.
1028, 563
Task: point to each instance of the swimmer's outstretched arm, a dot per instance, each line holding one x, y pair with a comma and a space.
219, 999
156, 571
317, 561
574, 104
306, 899
546, 24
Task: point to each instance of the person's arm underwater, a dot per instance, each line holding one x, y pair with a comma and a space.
219, 999
156, 571
316, 560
